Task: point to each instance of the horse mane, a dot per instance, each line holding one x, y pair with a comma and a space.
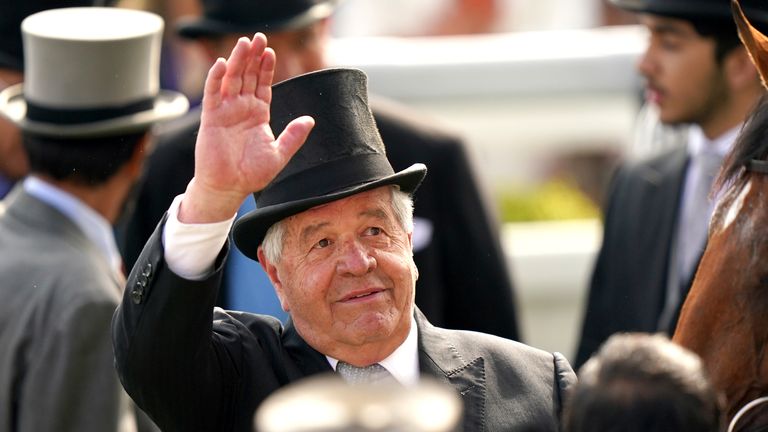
752, 143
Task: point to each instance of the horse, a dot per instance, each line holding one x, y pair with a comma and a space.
724, 318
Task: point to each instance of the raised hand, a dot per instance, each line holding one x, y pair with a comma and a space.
236, 152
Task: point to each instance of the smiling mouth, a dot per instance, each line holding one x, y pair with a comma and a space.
361, 296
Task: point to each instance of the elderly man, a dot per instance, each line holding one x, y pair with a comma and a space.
463, 278
333, 231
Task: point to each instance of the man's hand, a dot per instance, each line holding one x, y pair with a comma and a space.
236, 152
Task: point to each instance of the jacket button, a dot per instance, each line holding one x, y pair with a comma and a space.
137, 294
147, 271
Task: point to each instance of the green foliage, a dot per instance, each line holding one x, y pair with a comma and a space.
553, 200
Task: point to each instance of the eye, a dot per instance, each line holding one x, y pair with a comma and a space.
373, 231
324, 243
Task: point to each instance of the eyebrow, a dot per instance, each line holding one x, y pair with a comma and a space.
309, 230
664, 28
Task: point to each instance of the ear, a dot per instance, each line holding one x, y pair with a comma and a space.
136, 162
271, 270
413, 264
755, 42
739, 69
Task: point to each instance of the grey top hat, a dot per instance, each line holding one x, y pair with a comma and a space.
757, 10
343, 155
250, 16
90, 71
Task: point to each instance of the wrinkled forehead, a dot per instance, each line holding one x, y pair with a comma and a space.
375, 203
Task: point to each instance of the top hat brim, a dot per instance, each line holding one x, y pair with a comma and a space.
167, 105
194, 28
249, 231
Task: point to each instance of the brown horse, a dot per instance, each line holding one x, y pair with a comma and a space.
725, 316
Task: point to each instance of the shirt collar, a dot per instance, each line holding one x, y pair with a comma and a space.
95, 227
403, 363
699, 143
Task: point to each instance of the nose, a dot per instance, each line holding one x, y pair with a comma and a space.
355, 259
646, 64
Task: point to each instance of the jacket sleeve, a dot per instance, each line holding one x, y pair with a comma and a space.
565, 380
167, 356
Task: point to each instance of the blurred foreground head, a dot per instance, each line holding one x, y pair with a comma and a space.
644, 383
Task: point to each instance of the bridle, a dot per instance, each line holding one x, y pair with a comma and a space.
758, 166
743, 410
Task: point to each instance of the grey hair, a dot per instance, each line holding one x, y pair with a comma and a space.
402, 206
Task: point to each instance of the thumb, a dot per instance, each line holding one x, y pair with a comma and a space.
293, 136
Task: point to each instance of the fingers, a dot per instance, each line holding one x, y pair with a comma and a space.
236, 65
212, 89
294, 135
266, 75
251, 74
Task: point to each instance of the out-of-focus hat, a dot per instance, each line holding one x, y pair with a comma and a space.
326, 403
11, 15
90, 71
222, 17
701, 9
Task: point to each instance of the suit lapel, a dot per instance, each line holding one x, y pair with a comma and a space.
440, 359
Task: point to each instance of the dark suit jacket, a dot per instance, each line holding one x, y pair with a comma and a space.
463, 279
629, 282
190, 375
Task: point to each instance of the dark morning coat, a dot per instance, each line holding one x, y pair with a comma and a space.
463, 278
190, 375
629, 282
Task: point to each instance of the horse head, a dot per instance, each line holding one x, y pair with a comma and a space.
725, 316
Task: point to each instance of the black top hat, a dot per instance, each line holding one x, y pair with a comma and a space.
250, 16
343, 155
12, 13
757, 10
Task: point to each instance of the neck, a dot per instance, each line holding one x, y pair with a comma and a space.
732, 114
106, 199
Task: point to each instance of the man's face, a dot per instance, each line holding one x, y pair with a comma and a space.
13, 158
683, 78
347, 276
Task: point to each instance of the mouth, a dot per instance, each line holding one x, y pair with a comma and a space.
361, 296
653, 95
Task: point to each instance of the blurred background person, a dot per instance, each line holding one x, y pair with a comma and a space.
656, 216
643, 383
463, 278
85, 132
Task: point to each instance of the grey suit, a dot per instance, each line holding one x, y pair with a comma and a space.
192, 376
58, 296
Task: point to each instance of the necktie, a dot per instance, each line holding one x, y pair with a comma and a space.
372, 374
691, 236
692, 231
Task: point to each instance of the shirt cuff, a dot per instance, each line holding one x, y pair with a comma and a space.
191, 249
